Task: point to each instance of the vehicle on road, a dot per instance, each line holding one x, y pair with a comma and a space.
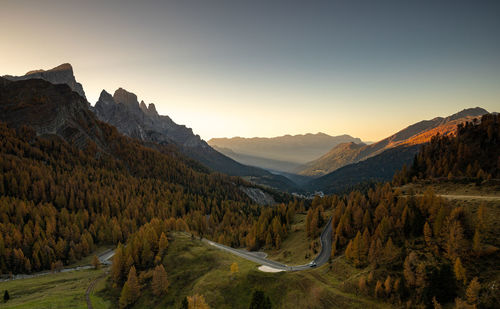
313, 264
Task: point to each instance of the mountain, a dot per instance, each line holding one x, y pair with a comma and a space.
416, 134
471, 155
62, 74
268, 164
377, 168
50, 109
284, 153
141, 121
70, 183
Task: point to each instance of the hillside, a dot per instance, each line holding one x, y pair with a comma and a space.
473, 154
287, 151
123, 111
70, 183
137, 120
377, 168
416, 134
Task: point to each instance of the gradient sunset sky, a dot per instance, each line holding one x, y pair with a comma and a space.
268, 68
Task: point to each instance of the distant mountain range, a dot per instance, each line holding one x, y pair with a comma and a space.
42, 99
137, 120
284, 153
416, 134
378, 162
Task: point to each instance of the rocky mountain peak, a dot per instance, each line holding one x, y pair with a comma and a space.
152, 109
106, 98
61, 74
143, 106
123, 96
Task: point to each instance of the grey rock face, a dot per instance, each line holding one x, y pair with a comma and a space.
134, 119
62, 74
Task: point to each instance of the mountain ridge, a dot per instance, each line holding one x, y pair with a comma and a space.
292, 150
415, 134
141, 121
61, 74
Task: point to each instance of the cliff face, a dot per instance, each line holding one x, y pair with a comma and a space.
62, 74
141, 121
123, 111
49, 109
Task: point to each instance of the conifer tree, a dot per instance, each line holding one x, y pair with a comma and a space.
459, 270
162, 244
159, 283
131, 289
95, 262
472, 291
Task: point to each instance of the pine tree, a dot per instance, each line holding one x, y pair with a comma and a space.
162, 244
408, 271
131, 290
388, 285
472, 291
459, 270
277, 242
159, 283
95, 262
379, 290
117, 267
6, 296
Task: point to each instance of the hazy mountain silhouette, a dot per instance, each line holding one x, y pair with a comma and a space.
284, 153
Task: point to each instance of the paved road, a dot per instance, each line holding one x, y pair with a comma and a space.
104, 258
322, 258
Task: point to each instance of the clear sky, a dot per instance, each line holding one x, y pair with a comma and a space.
268, 68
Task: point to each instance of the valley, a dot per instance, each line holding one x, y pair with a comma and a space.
249, 154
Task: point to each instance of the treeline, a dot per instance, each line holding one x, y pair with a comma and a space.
58, 202
419, 249
474, 153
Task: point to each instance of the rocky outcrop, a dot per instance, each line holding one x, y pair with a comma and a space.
258, 196
142, 121
50, 110
137, 120
62, 74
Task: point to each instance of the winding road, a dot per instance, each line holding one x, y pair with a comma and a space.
260, 258
104, 258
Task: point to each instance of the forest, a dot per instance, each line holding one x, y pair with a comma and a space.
423, 250
473, 154
59, 202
